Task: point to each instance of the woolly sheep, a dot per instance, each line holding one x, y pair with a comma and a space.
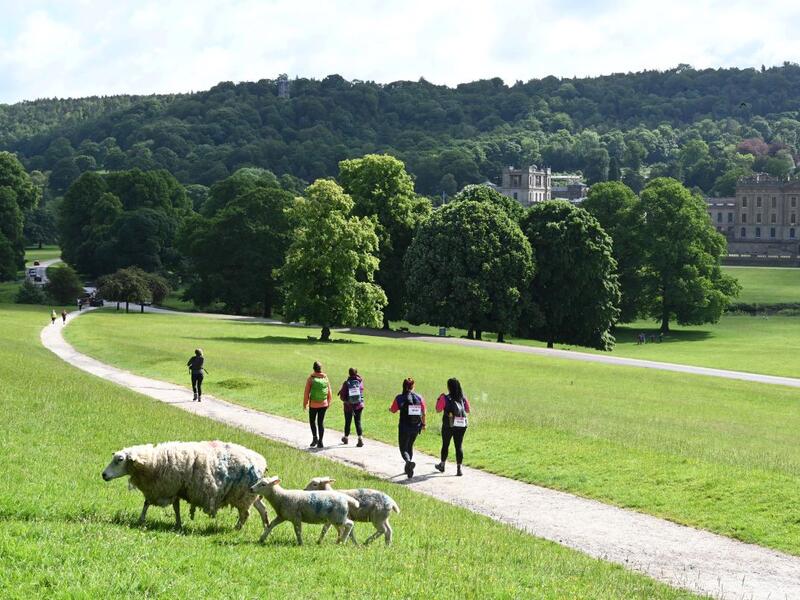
373, 507
300, 506
211, 475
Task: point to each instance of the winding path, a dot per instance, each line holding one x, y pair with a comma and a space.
681, 556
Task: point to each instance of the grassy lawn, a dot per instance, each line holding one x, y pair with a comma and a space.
721, 455
767, 285
45, 253
66, 533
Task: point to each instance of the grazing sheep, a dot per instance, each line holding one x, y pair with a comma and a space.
210, 475
301, 506
373, 507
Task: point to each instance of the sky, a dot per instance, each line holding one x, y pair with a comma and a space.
74, 48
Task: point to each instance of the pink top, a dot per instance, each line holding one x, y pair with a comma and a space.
441, 401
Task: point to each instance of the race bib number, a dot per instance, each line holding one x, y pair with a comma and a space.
414, 410
459, 421
354, 390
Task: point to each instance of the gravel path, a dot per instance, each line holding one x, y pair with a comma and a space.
680, 556
552, 353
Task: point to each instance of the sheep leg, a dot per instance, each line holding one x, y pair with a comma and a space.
262, 510
344, 531
176, 505
144, 512
298, 531
388, 529
324, 531
277, 521
375, 535
243, 514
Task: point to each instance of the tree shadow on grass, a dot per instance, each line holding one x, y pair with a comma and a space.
629, 335
275, 339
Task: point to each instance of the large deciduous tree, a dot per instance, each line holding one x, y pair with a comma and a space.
574, 296
682, 250
483, 193
328, 277
63, 284
467, 267
17, 194
379, 185
619, 213
233, 254
131, 285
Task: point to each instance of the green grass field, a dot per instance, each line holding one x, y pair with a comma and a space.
767, 285
722, 455
64, 533
44, 253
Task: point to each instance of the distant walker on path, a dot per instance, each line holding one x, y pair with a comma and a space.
53, 317
352, 396
317, 398
454, 407
64, 316
195, 365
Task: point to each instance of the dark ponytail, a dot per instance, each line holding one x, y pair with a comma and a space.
454, 390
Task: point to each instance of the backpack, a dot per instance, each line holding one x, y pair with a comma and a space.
319, 389
353, 391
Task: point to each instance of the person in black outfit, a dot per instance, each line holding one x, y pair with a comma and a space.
195, 365
454, 407
411, 407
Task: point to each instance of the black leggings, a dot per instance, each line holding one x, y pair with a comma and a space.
405, 440
348, 418
457, 435
197, 383
316, 418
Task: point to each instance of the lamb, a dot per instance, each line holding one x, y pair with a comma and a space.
301, 506
373, 507
211, 475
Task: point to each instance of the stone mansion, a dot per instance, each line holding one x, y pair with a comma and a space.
761, 219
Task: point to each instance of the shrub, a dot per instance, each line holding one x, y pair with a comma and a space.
30, 294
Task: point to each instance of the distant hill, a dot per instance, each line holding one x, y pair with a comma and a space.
682, 122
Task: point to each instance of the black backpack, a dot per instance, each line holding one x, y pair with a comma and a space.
411, 399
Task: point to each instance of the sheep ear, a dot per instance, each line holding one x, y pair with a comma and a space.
331, 480
276, 480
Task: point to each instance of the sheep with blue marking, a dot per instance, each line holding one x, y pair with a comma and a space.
301, 506
209, 475
373, 507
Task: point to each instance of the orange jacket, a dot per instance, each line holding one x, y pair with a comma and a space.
307, 401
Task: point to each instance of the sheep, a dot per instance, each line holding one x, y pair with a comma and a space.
210, 475
373, 507
301, 506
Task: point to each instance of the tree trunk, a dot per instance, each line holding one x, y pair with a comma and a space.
478, 334
126, 305
470, 334
141, 307
267, 305
664, 324
326, 334
40, 244
500, 337
386, 322
117, 305
549, 343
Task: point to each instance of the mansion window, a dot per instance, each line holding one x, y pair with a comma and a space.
772, 232
515, 196
744, 202
774, 202
773, 218
743, 232
758, 232
791, 233
793, 218
719, 217
730, 217
794, 201
758, 202
758, 218
744, 217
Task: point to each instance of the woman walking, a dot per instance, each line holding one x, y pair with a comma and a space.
411, 407
454, 407
64, 316
195, 365
317, 398
53, 316
352, 395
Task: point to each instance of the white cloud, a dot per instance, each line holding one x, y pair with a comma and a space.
92, 47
